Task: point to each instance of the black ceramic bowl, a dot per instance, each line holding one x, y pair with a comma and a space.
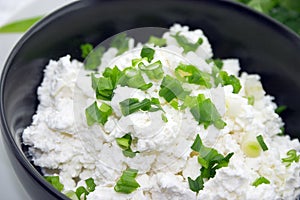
262, 45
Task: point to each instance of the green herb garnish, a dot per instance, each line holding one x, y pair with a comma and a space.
260, 180
154, 71
210, 161
292, 157
251, 100
157, 41
133, 78
230, 80
280, 109
164, 117
125, 143
206, 113
127, 183
148, 53
120, 42
171, 88
93, 60
95, 114
191, 74
262, 143
132, 105
90, 187
86, 49
185, 44
54, 181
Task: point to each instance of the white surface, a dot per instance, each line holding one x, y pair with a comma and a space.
10, 10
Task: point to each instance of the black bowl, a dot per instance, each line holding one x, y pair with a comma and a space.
262, 45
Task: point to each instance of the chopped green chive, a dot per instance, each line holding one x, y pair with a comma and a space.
260, 180
86, 49
210, 161
230, 80
94, 114
132, 105
157, 41
127, 183
125, 143
292, 157
93, 59
148, 53
120, 42
262, 143
171, 88
54, 181
185, 44
164, 117
154, 71
191, 74
280, 109
251, 100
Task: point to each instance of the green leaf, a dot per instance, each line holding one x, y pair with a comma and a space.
260, 180
164, 118
206, 113
148, 53
171, 88
230, 80
210, 160
191, 74
90, 184
127, 183
292, 157
157, 41
132, 105
54, 181
125, 143
280, 109
19, 26
262, 143
97, 115
120, 42
93, 60
185, 44
251, 100
86, 49
81, 192
154, 71
197, 184
133, 78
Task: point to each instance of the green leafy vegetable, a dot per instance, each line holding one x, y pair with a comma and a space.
280, 109
148, 53
251, 100
230, 80
54, 181
197, 184
81, 192
132, 105
93, 60
90, 184
154, 71
191, 74
19, 26
94, 114
206, 113
171, 88
292, 157
262, 143
210, 161
260, 180
125, 143
127, 183
157, 41
120, 42
86, 49
133, 78
185, 44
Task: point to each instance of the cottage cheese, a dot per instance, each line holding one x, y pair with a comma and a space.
61, 142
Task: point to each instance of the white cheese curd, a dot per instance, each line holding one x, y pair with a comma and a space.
158, 140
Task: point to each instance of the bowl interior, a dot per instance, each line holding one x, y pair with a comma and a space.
263, 47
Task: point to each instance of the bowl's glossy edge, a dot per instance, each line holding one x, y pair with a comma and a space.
12, 147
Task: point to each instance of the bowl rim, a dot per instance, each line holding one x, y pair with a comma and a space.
77, 5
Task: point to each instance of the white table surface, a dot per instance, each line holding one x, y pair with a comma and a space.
11, 10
